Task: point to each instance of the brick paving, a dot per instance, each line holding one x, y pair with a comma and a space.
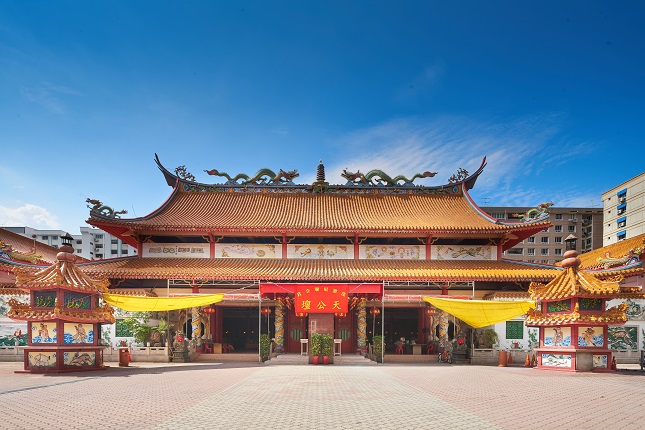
250, 395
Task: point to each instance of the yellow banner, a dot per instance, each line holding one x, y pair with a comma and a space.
481, 313
151, 304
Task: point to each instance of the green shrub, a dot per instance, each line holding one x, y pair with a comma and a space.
316, 344
327, 345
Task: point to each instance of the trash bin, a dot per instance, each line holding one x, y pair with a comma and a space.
124, 356
503, 359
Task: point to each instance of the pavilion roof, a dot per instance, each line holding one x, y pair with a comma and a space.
616, 256
24, 312
612, 316
573, 282
22, 249
64, 274
318, 270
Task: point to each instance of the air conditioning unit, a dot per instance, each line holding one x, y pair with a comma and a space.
573, 219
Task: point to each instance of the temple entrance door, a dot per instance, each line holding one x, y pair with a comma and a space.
297, 330
344, 332
240, 328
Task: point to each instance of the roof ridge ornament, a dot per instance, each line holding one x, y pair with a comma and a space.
459, 176
377, 177
99, 208
184, 174
539, 212
263, 176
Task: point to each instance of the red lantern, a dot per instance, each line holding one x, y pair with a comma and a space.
375, 311
209, 310
301, 314
430, 311
266, 311
340, 314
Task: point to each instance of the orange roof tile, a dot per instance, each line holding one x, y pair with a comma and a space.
612, 316
60, 274
24, 312
25, 246
316, 270
573, 282
272, 213
616, 250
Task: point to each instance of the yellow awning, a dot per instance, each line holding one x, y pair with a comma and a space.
151, 304
481, 313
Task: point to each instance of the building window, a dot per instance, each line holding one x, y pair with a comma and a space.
124, 251
530, 251
78, 251
545, 261
558, 251
572, 229
531, 240
54, 237
546, 230
99, 245
544, 251
530, 261
558, 229
621, 193
515, 251
113, 252
514, 329
79, 242
622, 222
498, 215
99, 255
558, 216
620, 209
114, 241
45, 238
98, 236
621, 235
544, 240
558, 239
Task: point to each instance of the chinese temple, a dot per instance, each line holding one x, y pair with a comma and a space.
352, 260
63, 315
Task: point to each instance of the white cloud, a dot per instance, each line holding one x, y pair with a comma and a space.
48, 96
28, 215
409, 146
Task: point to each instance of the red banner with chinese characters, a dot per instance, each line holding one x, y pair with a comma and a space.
321, 299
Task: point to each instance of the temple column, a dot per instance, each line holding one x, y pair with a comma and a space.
279, 326
361, 331
197, 328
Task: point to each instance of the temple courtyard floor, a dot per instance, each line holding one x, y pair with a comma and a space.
388, 396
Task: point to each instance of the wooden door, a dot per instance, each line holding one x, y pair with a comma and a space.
344, 331
296, 330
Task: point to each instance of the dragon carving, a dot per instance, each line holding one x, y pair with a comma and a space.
8, 251
459, 176
262, 177
184, 174
535, 213
632, 256
99, 208
378, 177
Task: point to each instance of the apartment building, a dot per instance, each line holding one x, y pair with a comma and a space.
91, 244
624, 210
548, 246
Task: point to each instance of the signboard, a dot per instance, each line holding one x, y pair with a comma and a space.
322, 299
184, 250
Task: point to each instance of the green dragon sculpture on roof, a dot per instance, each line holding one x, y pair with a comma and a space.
378, 177
262, 177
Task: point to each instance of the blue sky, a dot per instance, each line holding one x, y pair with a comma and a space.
551, 92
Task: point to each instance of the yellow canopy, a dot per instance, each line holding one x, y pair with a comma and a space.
481, 313
151, 304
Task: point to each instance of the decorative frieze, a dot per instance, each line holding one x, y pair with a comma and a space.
392, 252
463, 252
176, 250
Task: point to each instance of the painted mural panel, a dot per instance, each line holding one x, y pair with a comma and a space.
320, 252
463, 252
43, 332
12, 332
42, 359
591, 336
557, 336
600, 361
249, 250
635, 310
392, 252
79, 358
622, 338
78, 333
556, 360
176, 250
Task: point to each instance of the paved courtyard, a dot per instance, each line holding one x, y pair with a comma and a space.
253, 396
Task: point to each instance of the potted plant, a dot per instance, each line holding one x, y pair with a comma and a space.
377, 341
316, 347
265, 346
326, 347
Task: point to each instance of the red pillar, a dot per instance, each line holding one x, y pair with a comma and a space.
356, 247
284, 246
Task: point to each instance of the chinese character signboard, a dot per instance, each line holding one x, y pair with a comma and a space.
321, 299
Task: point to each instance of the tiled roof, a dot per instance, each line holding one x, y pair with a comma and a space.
60, 274
616, 250
24, 312
229, 212
316, 270
612, 316
508, 295
573, 282
25, 246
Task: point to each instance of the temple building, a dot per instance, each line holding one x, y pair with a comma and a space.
363, 254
